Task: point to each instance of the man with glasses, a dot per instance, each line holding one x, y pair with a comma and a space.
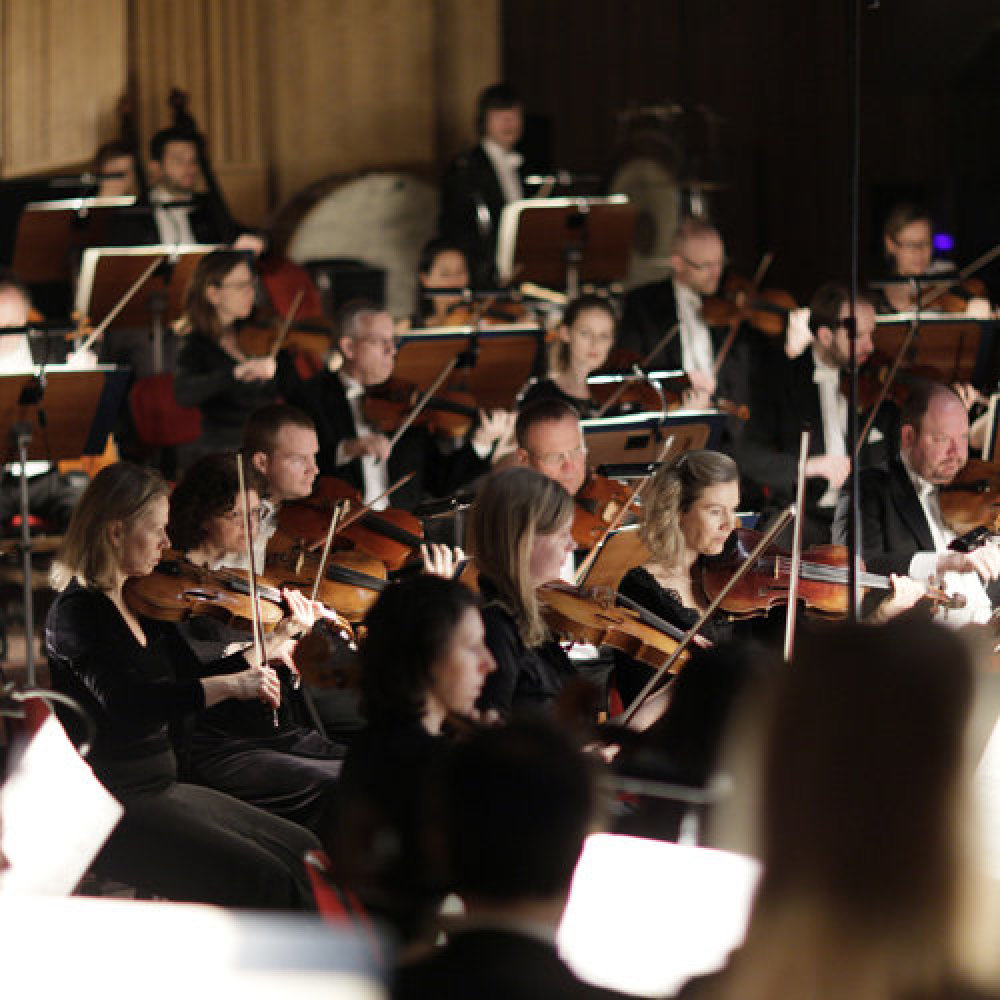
550, 441
354, 450
697, 260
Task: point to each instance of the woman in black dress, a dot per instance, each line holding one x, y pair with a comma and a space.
175, 840
520, 536
213, 373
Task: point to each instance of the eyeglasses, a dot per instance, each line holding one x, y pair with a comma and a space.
913, 244
556, 458
387, 344
257, 515
704, 265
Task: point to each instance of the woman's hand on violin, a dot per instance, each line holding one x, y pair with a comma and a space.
303, 614
441, 560
257, 684
833, 468
798, 335
493, 427
985, 561
255, 370
376, 445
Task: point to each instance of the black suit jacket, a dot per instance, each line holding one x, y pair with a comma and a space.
494, 965
471, 202
437, 474
136, 227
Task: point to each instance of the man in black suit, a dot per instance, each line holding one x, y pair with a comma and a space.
353, 450
790, 393
195, 218
697, 260
902, 528
478, 184
517, 805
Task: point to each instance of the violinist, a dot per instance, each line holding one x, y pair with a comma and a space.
176, 840
520, 533
902, 527
213, 373
441, 265
478, 184
793, 392
289, 769
697, 260
114, 165
174, 174
908, 238
424, 660
550, 441
584, 340
353, 450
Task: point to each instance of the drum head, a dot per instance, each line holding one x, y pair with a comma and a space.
380, 218
651, 186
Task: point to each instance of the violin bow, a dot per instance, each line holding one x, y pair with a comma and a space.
653, 682
966, 272
793, 579
643, 367
617, 521
287, 324
365, 508
130, 294
423, 401
258, 630
335, 518
727, 345
886, 384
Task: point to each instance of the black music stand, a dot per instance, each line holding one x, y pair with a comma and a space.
106, 274
638, 438
564, 242
76, 410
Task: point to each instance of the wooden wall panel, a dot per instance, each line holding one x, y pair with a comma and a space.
63, 70
212, 50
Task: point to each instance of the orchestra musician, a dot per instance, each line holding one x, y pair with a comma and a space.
196, 217
177, 840
697, 260
423, 662
213, 372
353, 450
441, 265
114, 165
550, 441
794, 392
902, 527
519, 535
478, 183
518, 804
908, 238
586, 336
289, 769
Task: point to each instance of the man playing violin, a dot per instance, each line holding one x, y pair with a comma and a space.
697, 260
352, 449
793, 392
550, 441
902, 527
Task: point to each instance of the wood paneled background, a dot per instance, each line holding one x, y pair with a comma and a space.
287, 91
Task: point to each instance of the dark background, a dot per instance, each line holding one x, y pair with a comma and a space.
775, 72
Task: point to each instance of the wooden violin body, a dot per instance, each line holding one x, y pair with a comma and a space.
447, 412
972, 499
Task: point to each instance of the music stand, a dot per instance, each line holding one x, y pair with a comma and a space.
563, 242
106, 274
638, 437
79, 409
52, 234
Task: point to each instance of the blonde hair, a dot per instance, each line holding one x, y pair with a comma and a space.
672, 491
514, 506
121, 492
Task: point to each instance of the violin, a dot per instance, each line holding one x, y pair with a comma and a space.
971, 500
765, 310
594, 618
351, 584
875, 372
446, 412
390, 535
822, 580
598, 503
178, 589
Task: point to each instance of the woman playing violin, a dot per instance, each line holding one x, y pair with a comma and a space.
213, 373
424, 661
520, 533
442, 265
178, 840
289, 769
584, 341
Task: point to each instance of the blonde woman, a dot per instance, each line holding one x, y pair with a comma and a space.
519, 537
176, 840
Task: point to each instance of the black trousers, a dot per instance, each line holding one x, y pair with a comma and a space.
192, 844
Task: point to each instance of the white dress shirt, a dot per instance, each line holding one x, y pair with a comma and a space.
697, 352
506, 164
923, 565
833, 407
374, 474
172, 223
